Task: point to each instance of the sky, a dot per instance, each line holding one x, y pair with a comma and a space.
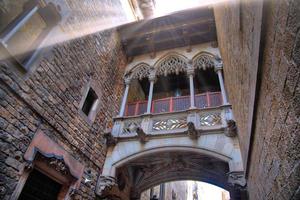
205, 191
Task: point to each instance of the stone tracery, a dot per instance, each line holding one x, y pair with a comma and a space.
203, 61
171, 64
140, 71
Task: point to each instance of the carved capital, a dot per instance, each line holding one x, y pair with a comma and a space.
237, 179
127, 80
231, 130
106, 186
190, 71
218, 65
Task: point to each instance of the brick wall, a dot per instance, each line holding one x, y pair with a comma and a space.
273, 170
48, 100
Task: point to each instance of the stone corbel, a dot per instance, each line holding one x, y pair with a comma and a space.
237, 179
110, 139
192, 132
231, 129
141, 135
107, 188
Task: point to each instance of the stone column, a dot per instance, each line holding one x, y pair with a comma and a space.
190, 73
152, 81
218, 69
124, 100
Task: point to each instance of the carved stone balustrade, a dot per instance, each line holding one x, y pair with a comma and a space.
204, 121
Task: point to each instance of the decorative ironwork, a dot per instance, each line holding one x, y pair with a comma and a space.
141, 71
171, 64
210, 119
204, 61
169, 124
131, 126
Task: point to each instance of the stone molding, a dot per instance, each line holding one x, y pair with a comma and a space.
48, 148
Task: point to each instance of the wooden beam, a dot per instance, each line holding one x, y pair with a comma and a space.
134, 34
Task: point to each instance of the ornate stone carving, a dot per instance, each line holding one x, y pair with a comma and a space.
57, 164
110, 139
140, 71
236, 178
106, 185
169, 124
131, 126
142, 135
204, 61
231, 130
210, 119
171, 64
192, 132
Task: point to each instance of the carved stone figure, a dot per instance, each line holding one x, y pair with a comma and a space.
236, 178
106, 187
110, 139
231, 130
192, 132
141, 134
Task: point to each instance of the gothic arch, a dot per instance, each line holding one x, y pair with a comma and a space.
139, 71
203, 60
171, 63
152, 168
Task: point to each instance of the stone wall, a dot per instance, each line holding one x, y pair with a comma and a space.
273, 165
274, 171
48, 99
238, 32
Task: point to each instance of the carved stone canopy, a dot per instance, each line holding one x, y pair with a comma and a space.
43, 148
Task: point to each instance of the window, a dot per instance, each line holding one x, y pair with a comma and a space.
39, 186
90, 104
23, 35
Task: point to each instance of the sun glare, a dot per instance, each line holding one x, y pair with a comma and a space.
163, 7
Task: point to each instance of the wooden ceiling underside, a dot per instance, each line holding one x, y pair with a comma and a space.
180, 29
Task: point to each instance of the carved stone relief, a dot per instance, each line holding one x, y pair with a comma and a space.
131, 126
203, 61
169, 124
210, 119
141, 71
170, 65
